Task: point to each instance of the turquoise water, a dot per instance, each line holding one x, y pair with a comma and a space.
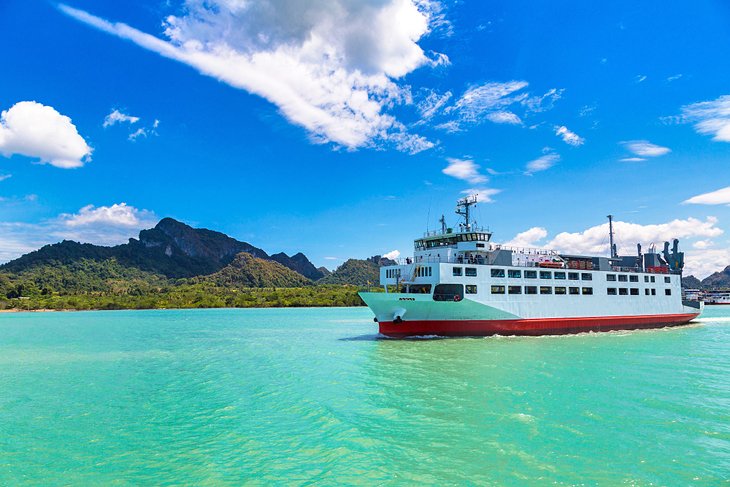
311, 397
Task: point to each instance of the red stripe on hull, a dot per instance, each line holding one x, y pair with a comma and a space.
532, 326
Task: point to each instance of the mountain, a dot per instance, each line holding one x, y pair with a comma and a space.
172, 249
691, 282
248, 271
718, 279
299, 263
355, 272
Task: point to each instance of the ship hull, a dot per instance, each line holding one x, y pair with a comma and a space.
532, 326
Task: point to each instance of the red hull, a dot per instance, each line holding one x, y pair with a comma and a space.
533, 326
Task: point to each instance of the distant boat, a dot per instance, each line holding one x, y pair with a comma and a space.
717, 297
459, 283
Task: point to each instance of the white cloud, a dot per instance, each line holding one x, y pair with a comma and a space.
477, 101
594, 241
34, 130
632, 159
542, 163
702, 244
644, 148
504, 117
103, 225
330, 67
568, 136
433, 103
710, 117
392, 255
3, 177
674, 78
528, 238
719, 197
116, 117
484, 195
464, 169
640, 78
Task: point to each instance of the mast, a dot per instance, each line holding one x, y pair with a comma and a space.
614, 254
442, 221
462, 208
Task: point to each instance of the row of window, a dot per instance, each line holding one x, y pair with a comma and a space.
541, 290
516, 274
468, 271
422, 271
622, 291
392, 273
634, 278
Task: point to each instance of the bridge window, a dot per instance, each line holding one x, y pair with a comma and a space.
470, 272
586, 276
497, 289
530, 274
448, 292
560, 275
471, 289
495, 272
560, 290
514, 290
611, 291
587, 290
530, 289
457, 271
573, 290
610, 277
514, 274
546, 275
546, 290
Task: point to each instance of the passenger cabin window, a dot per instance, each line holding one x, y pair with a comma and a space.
546, 275
560, 290
611, 291
586, 276
668, 292
647, 292
634, 291
457, 271
497, 289
653, 292
667, 279
646, 278
573, 276
622, 278
530, 274
530, 289
633, 278
622, 291
587, 290
652, 279
514, 289
471, 289
610, 277
573, 290
546, 290
514, 274
559, 275
470, 271
495, 272
419, 289
448, 292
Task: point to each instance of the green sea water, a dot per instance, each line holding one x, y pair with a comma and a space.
312, 397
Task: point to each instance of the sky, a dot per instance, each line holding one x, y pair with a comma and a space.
346, 128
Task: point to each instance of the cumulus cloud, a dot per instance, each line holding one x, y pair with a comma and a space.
568, 136
38, 131
594, 240
483, 195
102, 225
644, 148
504, 117
116, 117
331, 67
710, 117
719, 197
393, 254
542, 163
464, 169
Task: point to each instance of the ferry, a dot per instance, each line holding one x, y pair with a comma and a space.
717, 297
460, 283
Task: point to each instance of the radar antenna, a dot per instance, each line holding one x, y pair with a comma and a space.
614, 254
463, 207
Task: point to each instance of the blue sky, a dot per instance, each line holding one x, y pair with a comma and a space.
344, 129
